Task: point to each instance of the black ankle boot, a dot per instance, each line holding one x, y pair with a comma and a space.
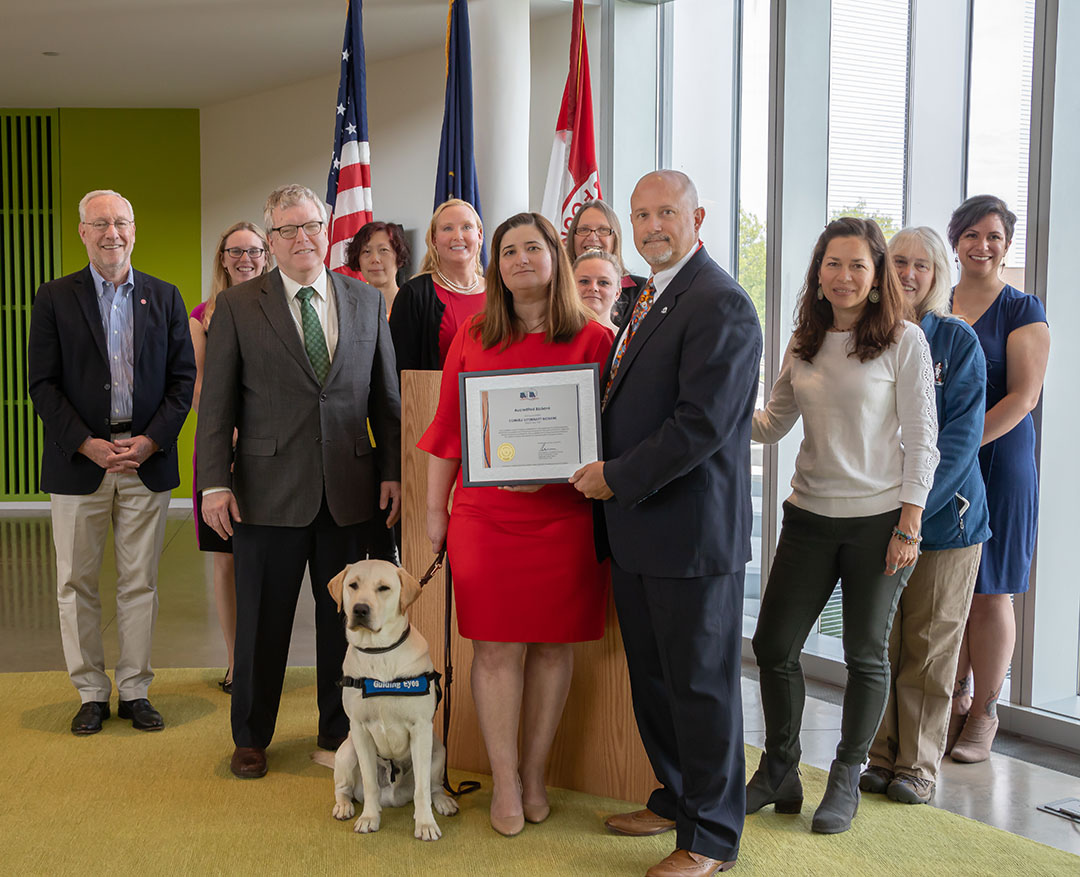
786, 792
841, 800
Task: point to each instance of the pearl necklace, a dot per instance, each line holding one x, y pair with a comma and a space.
455, 287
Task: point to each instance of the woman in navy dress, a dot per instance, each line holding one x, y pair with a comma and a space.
1015, 338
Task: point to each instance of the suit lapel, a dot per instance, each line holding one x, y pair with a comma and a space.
272, 302
348, 316
86, 295
657, 313
139, 314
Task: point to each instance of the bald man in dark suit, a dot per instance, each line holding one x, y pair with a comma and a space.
675, 517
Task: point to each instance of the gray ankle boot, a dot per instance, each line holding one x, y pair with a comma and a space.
841, 800
763, 789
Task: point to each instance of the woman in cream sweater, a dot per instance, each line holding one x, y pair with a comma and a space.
860, 377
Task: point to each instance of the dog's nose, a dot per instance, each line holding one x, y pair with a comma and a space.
362, 610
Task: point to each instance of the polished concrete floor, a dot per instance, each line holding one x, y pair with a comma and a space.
1003, 792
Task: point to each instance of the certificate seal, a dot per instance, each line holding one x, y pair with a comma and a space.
505, 452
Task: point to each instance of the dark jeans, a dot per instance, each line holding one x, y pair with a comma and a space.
813, 552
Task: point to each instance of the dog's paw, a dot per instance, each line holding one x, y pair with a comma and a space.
367, 824
444, 805
343, 810
427, 830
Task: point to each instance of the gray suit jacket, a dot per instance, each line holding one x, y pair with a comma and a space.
298, 439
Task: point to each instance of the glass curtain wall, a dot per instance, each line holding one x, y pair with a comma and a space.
868, 72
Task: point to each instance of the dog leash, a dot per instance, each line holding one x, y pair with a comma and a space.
465, 786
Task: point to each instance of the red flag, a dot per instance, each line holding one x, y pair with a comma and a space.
572, 174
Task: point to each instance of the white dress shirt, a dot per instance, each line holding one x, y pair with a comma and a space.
322, 301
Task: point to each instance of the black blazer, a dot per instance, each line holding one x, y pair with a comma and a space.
414, 324
677, 431
69, 377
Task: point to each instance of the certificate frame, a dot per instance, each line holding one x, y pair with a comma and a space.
528, 425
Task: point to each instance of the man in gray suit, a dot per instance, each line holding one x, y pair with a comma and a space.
298, 361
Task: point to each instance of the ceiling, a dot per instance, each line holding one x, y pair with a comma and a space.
195, 53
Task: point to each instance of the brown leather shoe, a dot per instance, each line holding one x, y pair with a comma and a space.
248, 762
639, 823
683, 863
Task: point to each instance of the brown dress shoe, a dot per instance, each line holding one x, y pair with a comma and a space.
248, 762
639, 823
683, 863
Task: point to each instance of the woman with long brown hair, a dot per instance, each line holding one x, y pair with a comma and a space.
241, 254
526, 579
859, 375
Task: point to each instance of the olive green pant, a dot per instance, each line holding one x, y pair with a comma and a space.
812, 554
923, 651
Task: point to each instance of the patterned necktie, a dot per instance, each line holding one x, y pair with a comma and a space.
314, 340
641, 308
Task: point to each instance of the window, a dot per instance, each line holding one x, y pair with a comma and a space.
999, 118
753, 145
868, 110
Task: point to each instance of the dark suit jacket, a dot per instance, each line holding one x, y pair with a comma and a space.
677, 431
297, 438
69, 378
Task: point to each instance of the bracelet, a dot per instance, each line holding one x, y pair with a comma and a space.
905, 538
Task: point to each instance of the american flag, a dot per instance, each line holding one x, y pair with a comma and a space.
348, 186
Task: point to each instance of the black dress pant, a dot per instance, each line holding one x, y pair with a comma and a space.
683, 640
270, 564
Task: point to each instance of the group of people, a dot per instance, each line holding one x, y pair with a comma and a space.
917, 461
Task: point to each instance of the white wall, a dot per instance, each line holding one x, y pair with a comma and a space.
405, 106
294, 137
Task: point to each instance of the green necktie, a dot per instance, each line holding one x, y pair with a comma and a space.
314, 340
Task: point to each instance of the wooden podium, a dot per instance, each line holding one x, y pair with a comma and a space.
597, 748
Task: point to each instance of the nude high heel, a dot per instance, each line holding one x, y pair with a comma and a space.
975, 740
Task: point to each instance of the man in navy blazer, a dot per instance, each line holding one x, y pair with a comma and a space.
676, 520
111, 375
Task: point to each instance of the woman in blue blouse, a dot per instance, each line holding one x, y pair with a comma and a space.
1015, 339
930, 619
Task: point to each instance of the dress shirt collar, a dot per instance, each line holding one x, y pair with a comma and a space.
292, 287
99, 281
661, 279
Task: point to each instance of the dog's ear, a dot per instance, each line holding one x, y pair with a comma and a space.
335, 586
410, 589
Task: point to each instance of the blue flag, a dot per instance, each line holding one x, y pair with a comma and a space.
456, 176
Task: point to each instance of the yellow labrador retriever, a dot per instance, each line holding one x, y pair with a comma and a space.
389, 693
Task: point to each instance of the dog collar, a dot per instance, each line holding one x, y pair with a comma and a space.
379, 650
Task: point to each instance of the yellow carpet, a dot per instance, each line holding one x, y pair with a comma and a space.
128, 802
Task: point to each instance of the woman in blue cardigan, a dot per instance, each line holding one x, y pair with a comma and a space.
929, 624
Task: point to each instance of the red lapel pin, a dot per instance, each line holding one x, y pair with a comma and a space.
142, 301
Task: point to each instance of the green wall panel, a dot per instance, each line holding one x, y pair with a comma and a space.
151, 156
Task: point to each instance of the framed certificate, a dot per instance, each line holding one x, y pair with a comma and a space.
528, 426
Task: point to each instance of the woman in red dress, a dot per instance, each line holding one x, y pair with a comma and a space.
526, 578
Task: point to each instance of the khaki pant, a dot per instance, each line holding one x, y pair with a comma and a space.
923, 651
80, 526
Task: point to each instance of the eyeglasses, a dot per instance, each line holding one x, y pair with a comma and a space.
604, 231
310, 229
253, 252
121, 225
